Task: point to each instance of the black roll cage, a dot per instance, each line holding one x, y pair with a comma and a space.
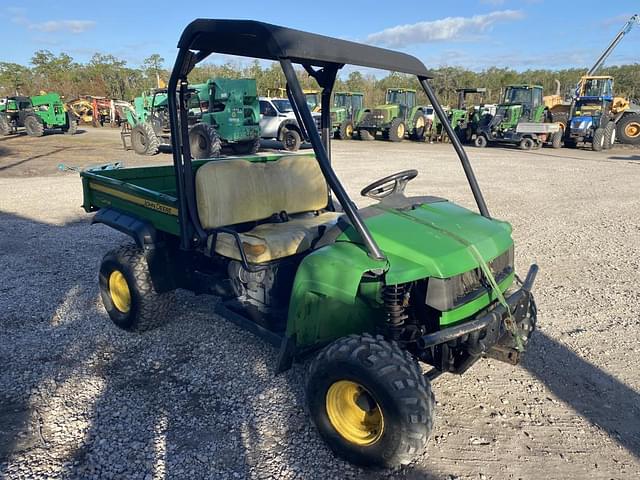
321, 57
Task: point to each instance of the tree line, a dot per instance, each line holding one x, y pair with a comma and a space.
108, 76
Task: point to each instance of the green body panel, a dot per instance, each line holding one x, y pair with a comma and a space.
144, 105
50, 109
232, 108
330, 299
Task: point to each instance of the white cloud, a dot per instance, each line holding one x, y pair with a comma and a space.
73, 26
450, 28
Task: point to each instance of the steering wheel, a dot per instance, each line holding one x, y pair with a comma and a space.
394, 183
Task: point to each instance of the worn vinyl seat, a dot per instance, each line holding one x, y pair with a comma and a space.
232, 192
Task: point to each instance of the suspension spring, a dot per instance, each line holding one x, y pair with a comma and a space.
395, 298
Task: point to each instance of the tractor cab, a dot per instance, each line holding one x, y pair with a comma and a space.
596, 86
350, 101
405, 99
313, 99
345, 113
521, 103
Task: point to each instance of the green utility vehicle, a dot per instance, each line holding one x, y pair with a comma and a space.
347, 110
148, 128
397, 117
519, 120
36, 115
231, 106
369, 292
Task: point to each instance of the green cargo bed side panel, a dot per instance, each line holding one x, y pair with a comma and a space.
327, 301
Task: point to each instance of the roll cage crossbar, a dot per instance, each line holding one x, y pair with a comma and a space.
321, 57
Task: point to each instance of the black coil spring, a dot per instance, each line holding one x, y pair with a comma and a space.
393, 297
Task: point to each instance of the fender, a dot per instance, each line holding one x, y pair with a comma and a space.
163, 273
288, 123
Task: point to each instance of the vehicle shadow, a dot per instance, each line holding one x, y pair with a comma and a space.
33, 157
595, 394
629, 158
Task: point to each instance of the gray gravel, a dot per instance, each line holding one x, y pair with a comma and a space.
198, 398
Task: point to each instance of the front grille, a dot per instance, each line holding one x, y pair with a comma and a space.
473, 284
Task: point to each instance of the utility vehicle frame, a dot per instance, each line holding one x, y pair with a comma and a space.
374, 290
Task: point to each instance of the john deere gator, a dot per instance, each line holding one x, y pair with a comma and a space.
398, 117
368, 291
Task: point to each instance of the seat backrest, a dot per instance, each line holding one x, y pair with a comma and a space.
235, 191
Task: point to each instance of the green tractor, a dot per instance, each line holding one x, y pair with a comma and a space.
346, 111
398, 117
36, 115
231, 106
148, 127
520, 119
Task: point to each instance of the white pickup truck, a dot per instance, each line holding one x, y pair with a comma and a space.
278, 122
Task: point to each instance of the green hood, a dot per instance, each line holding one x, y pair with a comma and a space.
433, 240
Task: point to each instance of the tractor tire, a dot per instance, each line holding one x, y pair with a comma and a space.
33, 125
204, 141
556, 139
366, 135
397, 130
420, 127
144, 140
370, 402
597, 143
127, 291
526, 143
291, 140
628, 130
5, 128
246, 148
609, 135
71, 128
480, 141
345, 132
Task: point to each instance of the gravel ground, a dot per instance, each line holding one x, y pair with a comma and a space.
198, 398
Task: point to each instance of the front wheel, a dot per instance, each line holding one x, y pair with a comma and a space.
127, 291
609, 135
597, 143
34, 127
144, 140
204, 141
5, 128
396, 130
480, 141
291, 140
370, 401
71, 127
345, 132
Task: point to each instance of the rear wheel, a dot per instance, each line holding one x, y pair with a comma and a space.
144, 140
597, 142
204, 141
480, 141
397, 130
291, 140
345, 132
628, 130
370, 401
609, 135
526, 144
246, 148
5, 129
127, 292
34, 127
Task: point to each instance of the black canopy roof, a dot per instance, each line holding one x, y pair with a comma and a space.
249, 38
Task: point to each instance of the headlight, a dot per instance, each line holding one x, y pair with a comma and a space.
447, 293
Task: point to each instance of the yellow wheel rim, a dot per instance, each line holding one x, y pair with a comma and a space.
401, 130
119, 291
350, 419
349, 131
420, 122
632, 130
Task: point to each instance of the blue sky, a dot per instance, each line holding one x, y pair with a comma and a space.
475, 33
